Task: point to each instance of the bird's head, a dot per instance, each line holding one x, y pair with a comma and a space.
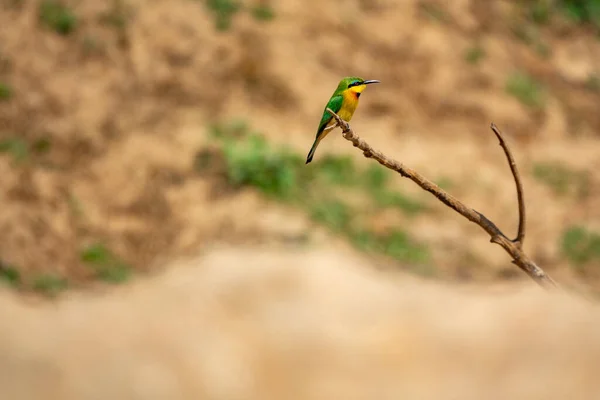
355, 84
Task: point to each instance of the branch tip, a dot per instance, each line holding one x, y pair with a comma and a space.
518, 183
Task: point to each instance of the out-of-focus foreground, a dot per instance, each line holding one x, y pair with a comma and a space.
284, 324
134, 133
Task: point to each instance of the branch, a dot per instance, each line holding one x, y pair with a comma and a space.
513, 168
513, 247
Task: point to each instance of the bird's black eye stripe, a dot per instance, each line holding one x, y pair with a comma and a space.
357, 83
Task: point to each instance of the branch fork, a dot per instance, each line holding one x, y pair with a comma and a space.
514, 247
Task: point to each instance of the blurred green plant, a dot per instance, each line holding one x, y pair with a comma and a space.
16, 147
389, 198
474, 54
118, 15
531, 36
49, 284
252, 162
334, 214
223, 11
593, 82
433, 11
92, 45
395, 244
9, 275
561, 179
338, 170
581, 246
376, 177
41, 145
583, 11
328, 193
57, 16
579, 11
105, 264
263, 12
526, 89
6, 91
540, 11
20, 150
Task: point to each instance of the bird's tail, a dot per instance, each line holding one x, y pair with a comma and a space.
311, 153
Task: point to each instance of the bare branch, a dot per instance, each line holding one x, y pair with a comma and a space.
512, 247
513, 168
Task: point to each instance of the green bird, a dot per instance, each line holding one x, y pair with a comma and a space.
343, 102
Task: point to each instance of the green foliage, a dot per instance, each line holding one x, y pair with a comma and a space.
433, 11
366, 240
281, 173
92, 45
525, 89
581, 246
251, 162
376, 177
388, 198
49, 284
9, 275
582, 11
593, 83
395, 244
561, 179
338, 170
263, 12
20, 150
57, 17
334, 214
41, 145
106, 265
6, 91
328, 189
474, 54
540, 11
376, 181
400, 246
223, 10
16, 147
579, 11
117, 16
530, 34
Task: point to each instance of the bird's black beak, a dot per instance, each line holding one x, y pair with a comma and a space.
371, 81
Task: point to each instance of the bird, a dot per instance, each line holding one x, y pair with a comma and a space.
343, 102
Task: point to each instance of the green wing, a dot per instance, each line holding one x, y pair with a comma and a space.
335, 103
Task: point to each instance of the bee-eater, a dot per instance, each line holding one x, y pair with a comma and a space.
343, 102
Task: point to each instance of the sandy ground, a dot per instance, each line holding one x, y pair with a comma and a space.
287, 324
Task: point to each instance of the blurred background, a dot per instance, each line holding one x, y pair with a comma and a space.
153, 185
136, 132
